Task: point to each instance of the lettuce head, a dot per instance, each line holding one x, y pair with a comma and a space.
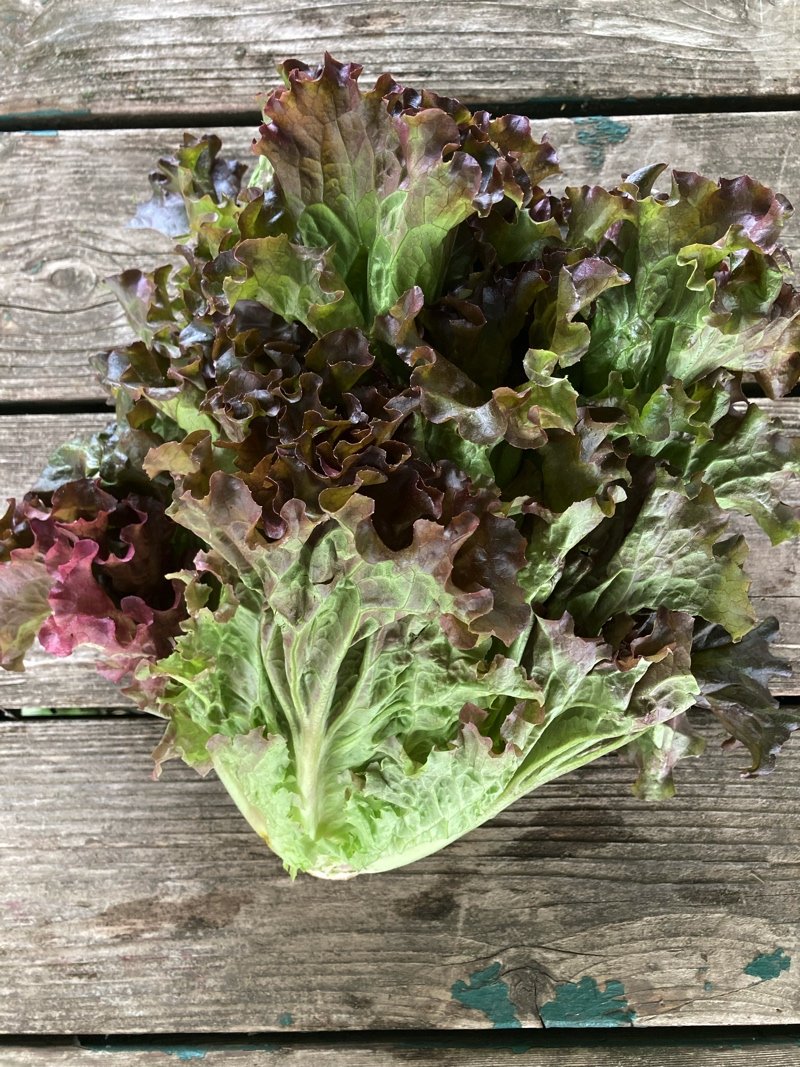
419, 489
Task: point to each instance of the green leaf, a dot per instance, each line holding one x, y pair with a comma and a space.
704, 575
656, 753
752, 467
380, 184
734, 678
520, 416
348, 657
300, 284
371, 186
520, 239
24, 606
590, 705
417, 220
705, 291
579, 287
552, 539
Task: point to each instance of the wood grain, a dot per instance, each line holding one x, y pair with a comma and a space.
145, 58
58, 683
67, 199
745, 1052
26, 442
66, 203
133, 906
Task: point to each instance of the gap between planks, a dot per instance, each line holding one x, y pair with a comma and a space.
701, 1047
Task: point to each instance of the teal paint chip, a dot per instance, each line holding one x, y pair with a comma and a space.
286, 1019
767, 966
45, 113
597, 133
180, 1052
584, 1003
487, 992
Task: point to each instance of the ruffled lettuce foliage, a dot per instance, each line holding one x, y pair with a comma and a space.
419, 489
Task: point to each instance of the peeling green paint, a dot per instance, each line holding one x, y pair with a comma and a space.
42, 122
44, 113
707, 986
768, 966
583, 1003
182, 1053
286, 1019
487, 992
596, 134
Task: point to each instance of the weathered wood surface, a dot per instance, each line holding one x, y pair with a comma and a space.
145, 58
133, 906
65, 204
745, 1052
26, 441
67, 199
54, 683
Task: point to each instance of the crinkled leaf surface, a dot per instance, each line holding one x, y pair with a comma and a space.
24, 607
704, 577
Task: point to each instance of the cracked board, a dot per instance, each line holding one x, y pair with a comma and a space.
139, 907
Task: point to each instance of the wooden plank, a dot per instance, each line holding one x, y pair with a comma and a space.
132, 906
65, 204
26, 441
59, 60
59, 683
746, 1052
64, 225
